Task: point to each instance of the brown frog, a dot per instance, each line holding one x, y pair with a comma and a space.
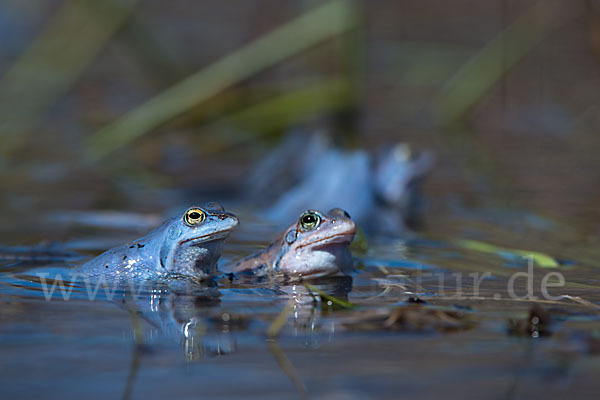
316, 245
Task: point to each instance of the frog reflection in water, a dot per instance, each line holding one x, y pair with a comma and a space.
188, 246
316, 245
208, 321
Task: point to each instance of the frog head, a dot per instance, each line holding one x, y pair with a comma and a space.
317, 244
192, 243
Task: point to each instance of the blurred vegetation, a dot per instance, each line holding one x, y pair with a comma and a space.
325, 22
485, 69
105, 97
52, 63
60, 54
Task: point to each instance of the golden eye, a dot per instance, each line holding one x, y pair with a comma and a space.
194, 216
310, 220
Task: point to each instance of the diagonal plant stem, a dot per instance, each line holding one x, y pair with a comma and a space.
70, 41
310, 29
279, 112
478, 75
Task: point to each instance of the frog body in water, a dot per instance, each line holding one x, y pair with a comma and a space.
380, 190
316, 245
187, 246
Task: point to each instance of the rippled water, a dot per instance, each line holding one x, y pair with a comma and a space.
402, 326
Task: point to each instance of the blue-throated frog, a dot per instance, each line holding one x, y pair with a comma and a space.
188, 245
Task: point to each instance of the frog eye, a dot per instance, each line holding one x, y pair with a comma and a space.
310, 220
194, 216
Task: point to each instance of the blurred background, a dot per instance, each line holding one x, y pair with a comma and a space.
139, 104
145, 106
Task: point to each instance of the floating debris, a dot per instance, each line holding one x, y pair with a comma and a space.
542, 260
537, 324
415, 300
413, 317
330, 300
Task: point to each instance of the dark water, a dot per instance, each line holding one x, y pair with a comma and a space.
402, 326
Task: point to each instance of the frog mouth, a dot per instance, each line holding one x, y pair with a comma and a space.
342, 238
208, 237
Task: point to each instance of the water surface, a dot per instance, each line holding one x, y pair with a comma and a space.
401, 326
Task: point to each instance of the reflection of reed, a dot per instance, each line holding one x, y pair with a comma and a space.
287, 367
281, 319
139, 348
280, 357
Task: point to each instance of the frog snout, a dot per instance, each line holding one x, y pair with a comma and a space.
230, 220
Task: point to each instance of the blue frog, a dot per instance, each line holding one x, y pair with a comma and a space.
184, 246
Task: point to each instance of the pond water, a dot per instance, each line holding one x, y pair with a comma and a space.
424, 316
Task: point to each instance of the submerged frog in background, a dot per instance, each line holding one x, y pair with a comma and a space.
188, 245
316, 245
381, 190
